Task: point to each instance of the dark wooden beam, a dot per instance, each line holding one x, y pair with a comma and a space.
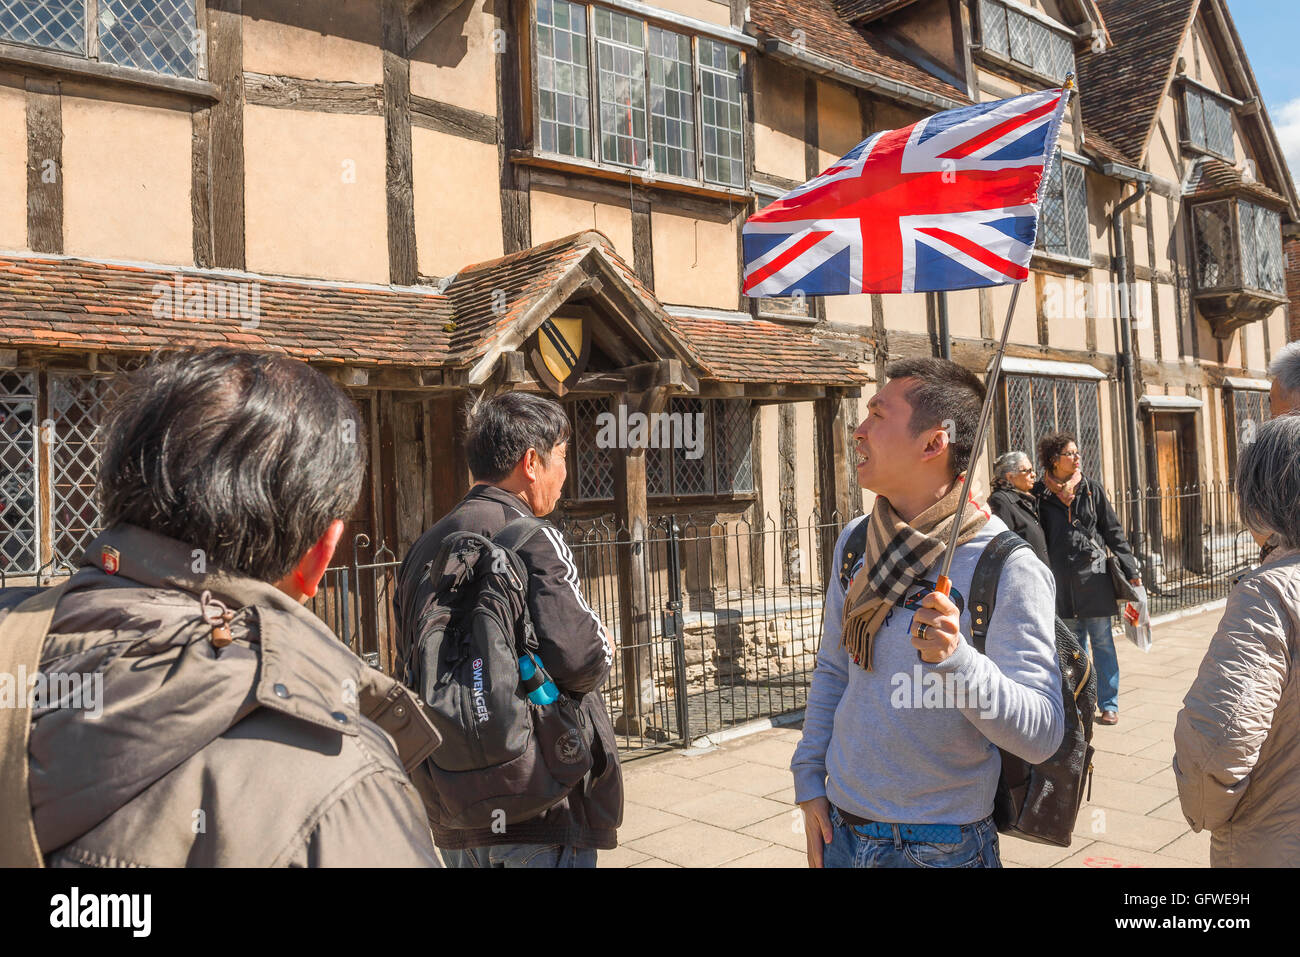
317, 96
642, 239
201, 185
453, 120
226, 72
832, 470
787, 452
403, 261
44, 167
513, 83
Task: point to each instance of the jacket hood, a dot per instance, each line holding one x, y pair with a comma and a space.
154, 690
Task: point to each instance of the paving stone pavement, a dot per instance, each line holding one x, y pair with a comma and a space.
733, 806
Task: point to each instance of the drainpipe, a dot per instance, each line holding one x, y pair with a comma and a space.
1128, 383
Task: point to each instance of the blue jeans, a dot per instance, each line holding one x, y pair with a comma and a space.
978, 848
1095, 635
521, 855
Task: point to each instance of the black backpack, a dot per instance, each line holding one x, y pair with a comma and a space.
1035, 802
503, 759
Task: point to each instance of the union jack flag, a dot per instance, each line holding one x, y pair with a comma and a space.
950, 202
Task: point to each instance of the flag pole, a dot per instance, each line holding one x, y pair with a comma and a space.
944, 585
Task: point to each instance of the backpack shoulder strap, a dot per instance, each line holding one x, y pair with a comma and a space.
984, 583
518, 532
853, 549
22, 636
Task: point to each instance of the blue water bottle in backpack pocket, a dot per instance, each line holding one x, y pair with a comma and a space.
537, 683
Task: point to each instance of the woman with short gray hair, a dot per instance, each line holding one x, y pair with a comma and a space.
1011, 501
1237, 740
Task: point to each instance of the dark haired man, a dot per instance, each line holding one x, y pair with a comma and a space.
516, 443
898, 765
235, 729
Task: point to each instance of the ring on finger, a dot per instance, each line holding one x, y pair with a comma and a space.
921, 630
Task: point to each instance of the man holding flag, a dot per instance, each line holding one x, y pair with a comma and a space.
899, 761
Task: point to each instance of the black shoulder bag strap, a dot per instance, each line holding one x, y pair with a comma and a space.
513, 537
853, 549
984, 583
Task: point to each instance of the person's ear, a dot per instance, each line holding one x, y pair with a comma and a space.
936, 444
304, 580
532, 461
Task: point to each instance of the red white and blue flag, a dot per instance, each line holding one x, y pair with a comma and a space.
950, 202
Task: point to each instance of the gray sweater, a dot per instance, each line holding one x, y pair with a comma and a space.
915, 743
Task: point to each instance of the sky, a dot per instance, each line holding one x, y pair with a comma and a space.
1269, 30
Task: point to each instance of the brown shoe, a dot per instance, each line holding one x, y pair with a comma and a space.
1108, 717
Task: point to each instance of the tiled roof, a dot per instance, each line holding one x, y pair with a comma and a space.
1211, 178
491, 296
80, 303
824, 32
756, 350
863, 11
1123, 86
1098, 144
83, 304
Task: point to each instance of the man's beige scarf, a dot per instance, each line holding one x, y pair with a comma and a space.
896, 555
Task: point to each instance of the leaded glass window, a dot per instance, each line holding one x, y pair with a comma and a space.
159, 36
78, 403
563, 109
1010, 34
1216, 254
1036, 406
697, 447
1250, 410
1063, 215
19, 498
156, 36
51, 24
1209, 122
1261, 249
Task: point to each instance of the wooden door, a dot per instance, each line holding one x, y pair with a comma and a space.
1176, 475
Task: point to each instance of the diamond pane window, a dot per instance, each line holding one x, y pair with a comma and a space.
1216, 260
1250, 410
993, 23
159, 36
672, 103
620, 61
1063, 215
1009, 34
77, 407
563, 107
1076, 202
693, 461
52, 24
19, 501
1209, 123
1261, 249
1018, 27
733, 439
1036, 406
722, 150
593, 466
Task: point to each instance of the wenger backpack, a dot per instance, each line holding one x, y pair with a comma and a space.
503, 759
1036, 802
1040, 802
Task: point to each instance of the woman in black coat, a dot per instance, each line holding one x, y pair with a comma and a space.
1012, 500
1077, 519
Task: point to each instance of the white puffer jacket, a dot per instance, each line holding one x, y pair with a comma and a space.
1237, 739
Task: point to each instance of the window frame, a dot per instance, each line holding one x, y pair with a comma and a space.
90, 51
1004, 429
597, 162
1233, 413
1036, 19
1081, 204
1186, 140
712, 407
1236, 281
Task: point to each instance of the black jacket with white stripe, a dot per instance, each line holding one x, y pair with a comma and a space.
573, 645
